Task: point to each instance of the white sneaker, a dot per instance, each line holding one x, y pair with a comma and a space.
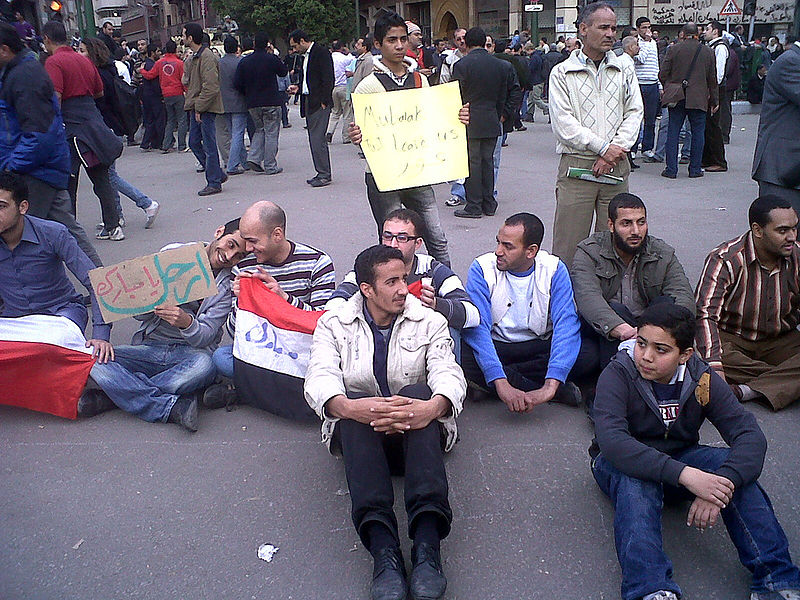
100, 226
661, 595
151, 212
790, 594
649, 154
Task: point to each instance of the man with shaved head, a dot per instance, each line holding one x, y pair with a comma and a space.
303, 276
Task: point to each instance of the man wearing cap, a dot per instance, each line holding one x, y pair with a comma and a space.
418, 51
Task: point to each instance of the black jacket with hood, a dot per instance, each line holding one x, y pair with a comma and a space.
630, 433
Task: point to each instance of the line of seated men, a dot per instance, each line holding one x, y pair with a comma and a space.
384, 379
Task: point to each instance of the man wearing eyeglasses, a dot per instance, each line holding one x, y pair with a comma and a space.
432, 282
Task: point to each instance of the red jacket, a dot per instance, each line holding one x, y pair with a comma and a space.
169, 70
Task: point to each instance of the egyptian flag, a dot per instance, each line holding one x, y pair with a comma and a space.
44, 364
271, 350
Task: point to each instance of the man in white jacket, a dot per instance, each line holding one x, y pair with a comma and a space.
596, 112
384, 380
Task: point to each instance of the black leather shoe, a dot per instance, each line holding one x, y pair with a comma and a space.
568, 393
320, 182
93, 402
388, 576
219, 395
464, 214
427, 580
254, 166
184, 413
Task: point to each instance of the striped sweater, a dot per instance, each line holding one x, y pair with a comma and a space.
452, 299
307, 276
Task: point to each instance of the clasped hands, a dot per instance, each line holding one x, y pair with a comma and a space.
524, 402
608, 160
712, 494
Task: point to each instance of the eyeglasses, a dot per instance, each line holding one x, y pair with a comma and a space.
402, 238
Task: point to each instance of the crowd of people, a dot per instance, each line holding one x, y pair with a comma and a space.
608, 320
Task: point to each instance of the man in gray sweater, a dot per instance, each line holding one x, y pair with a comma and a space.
155, 378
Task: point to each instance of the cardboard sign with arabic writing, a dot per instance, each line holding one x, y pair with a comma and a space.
413, 137
137, 286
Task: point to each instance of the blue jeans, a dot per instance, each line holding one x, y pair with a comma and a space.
685, 137
203, 142
697, 123
146, 380
238, 153
457, 189
496, 160
123, 187
761, 544
652, 103
223, 361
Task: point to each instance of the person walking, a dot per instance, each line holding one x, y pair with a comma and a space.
204, 102
646, 67
341, 100
153, 115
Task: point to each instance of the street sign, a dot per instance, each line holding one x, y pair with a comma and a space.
730, 9
540, 7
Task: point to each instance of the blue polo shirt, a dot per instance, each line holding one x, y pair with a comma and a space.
33, 280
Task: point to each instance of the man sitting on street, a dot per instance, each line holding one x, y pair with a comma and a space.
383, 379
748, 307
528, 340
169, 360
298, 273
651, 401
618, 273
33, 253
440, 288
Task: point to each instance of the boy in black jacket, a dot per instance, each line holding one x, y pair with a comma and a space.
651, 401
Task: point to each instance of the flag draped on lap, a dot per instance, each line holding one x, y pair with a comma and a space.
271, 350
44, 364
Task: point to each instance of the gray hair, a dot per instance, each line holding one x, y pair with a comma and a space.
629, 41
587, 13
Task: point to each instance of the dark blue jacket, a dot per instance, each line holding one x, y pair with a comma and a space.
631, 435
32, 138
535, 67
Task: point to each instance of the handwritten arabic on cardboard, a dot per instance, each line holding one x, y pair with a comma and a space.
137, 286
413, 137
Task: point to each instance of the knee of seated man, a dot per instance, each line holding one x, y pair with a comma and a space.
194, 373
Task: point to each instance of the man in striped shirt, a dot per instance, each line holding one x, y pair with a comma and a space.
646, 66
748, 307
300, 274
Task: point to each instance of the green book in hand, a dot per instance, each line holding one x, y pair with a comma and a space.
587, 175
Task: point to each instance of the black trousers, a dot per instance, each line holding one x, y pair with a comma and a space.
317, 123
370, 460
525, 364
479, 186
102, 189
714, 149
154, 120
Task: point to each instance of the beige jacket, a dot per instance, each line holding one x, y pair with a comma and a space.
420, 351
202, 85
591, 108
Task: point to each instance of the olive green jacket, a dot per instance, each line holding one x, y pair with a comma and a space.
597, 276
202, 87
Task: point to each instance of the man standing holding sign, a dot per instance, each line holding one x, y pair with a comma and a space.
392, 73
170, 356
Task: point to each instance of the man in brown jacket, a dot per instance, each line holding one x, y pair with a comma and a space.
701, 95
204, 101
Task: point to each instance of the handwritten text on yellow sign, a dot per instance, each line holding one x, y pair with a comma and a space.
413, 137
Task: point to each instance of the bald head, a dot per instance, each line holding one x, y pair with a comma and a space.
263, 227
266, 214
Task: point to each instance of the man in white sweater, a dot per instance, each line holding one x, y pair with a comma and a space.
596, 112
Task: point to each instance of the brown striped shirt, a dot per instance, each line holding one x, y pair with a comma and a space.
740, 297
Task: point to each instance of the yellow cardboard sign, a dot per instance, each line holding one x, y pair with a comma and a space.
137, 286
413, 137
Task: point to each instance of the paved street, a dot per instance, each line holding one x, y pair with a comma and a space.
113, 507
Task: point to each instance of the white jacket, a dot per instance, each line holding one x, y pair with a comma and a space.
590, 108
420, 351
